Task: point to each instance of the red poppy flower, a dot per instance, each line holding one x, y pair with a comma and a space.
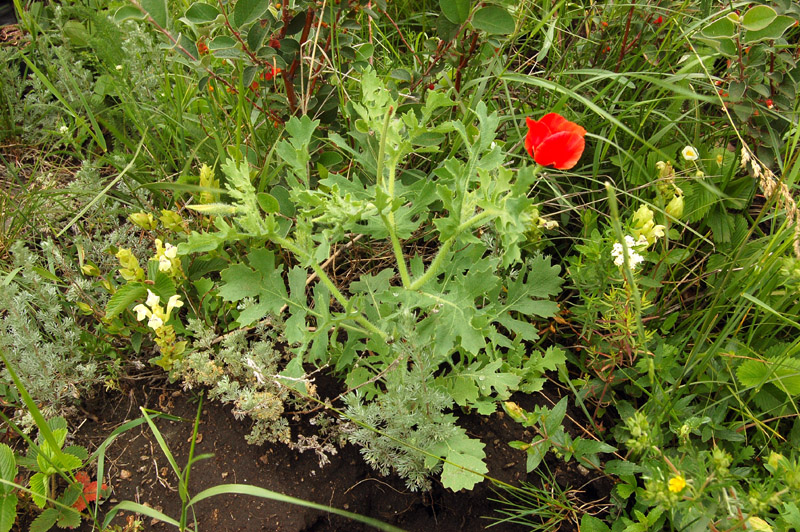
555, 141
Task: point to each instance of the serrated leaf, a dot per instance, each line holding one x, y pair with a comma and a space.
467, 461
621, 468
163, 286
157, 9
68, 518
295, 327
8, 467
38, 485
784, 373
493, 19
246, 11
200, 13
45, 521
8, 511
240, 281
456, 11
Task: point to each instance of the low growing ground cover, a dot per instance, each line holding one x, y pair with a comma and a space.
511, 265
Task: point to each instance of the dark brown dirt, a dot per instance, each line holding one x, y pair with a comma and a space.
139, 471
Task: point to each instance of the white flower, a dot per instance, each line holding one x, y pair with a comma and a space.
164, 264
63, 130
689, 153
633, 258
119, 67
173, 303
152, 299
155, 322
141, 312
170, 251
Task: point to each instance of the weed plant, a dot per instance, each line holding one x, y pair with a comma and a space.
655, 275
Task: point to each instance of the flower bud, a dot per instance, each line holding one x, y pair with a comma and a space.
675, 207
171, 220
143, 220
515, 411
91, 270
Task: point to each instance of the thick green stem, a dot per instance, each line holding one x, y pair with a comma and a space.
382, 148
391, 227
323, 277
433, 268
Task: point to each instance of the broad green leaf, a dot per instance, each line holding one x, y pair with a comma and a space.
456, 11
240, 281
758, 17
783, 373
775, 30
536, 453
125, 296
268, 203
589, 523
200, 13
494, 19
721, 28
246, 11
128, 12
158, 10
8, 511
552, 421
164, 287
295, 327
221, 41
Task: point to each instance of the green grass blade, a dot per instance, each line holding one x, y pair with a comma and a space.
255, 491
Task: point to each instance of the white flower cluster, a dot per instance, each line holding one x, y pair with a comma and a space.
634, 259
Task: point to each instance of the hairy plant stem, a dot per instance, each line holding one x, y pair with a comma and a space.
434, 267
323, 277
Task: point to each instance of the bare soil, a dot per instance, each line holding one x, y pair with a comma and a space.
139, 472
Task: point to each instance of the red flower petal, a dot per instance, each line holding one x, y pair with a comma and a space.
557, 123
561, 150
554, 140
537, 132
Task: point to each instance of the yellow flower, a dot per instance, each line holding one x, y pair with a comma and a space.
676, 484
